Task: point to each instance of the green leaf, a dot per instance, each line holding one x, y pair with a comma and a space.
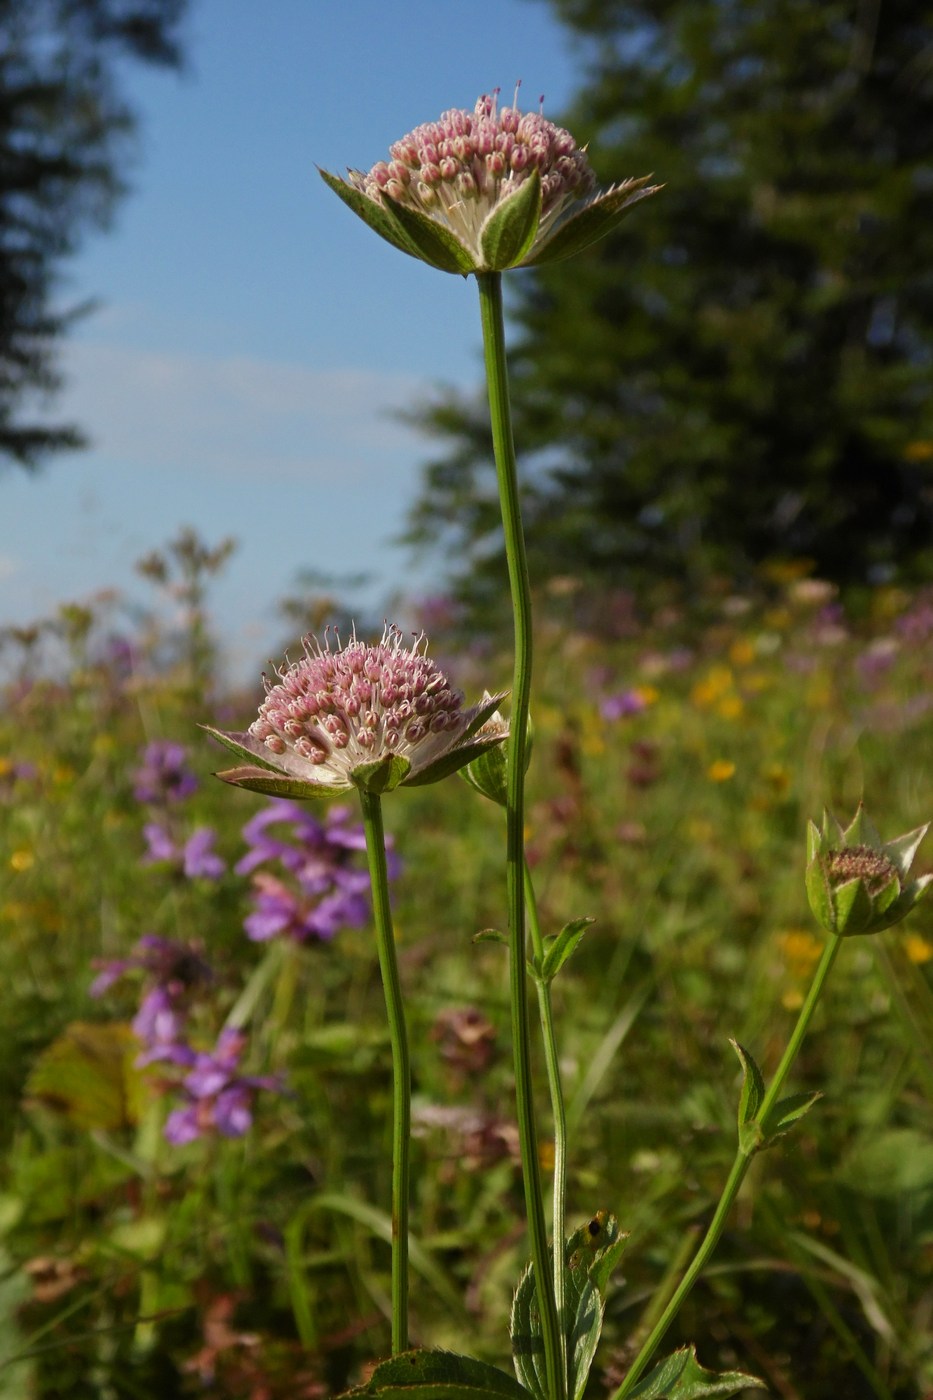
510, 230
370, 212
559, 948
434, 243
787, 1112
527, 1337
490, 935
592, 222
590, 1255
438, 1375
751, 1136
382, 775
681, 1377
89, 1075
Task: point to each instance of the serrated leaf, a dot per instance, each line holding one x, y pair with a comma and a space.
681, 1377
559, 948
438, 1375
590, 1255
753, 1085
787, 1112
527, 1337
510, 229
434, 244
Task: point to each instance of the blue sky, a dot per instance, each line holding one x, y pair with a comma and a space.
252, 337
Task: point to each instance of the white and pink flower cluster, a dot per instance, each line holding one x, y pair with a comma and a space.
348, 705
459, 167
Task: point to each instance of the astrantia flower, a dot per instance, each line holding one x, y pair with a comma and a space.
486, 190
359, 716
855, 882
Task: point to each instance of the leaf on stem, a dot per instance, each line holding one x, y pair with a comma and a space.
786, 1113
590, 1255
559, 948
681, 1377
438, 1375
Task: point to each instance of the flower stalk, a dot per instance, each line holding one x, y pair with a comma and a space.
401, 1071
490, 295
558, 1115
737, 1174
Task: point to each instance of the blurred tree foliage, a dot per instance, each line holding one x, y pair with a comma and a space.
743, 371
64, 129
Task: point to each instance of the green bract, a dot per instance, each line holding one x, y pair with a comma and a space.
856, 883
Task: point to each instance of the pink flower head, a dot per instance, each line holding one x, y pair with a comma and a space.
486, 190
360, 716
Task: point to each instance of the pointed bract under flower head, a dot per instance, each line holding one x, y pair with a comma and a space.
486, 190
856, 883
360, 716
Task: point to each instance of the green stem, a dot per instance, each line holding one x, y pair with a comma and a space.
490, 297
558, 1113
740, 1166
401, 1073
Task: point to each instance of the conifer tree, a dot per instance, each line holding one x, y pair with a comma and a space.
743, 371
64, 129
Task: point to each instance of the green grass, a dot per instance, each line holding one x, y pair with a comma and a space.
130, 1267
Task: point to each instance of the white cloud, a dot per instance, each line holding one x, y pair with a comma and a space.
149, 409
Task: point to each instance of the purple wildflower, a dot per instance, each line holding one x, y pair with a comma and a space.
195, 859
162, 777
218, 1097
171, 971
280, 910
623, 704
321, 855
166, 962
160, 1025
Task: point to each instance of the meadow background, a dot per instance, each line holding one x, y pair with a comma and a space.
728, 420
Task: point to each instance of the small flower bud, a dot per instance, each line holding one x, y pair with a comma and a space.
855, 882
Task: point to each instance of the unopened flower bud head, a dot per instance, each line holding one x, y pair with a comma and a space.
855, 882
507, 189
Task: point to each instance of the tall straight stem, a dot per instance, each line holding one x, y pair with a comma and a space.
737, 1173
558, 1114
401, 1072
490, 297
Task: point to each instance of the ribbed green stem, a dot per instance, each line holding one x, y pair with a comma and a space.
490, 297
740, 1166
401, 1073
558, 1113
